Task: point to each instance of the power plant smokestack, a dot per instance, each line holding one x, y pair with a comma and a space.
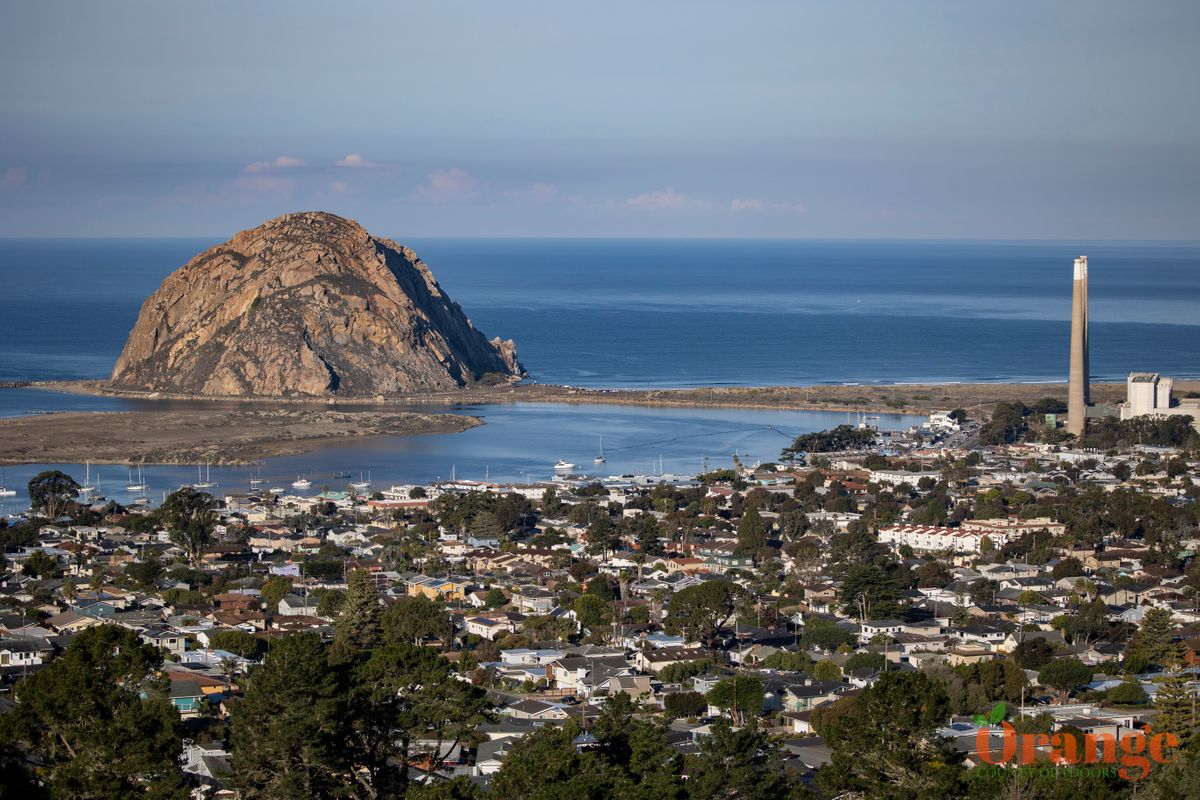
1079, 393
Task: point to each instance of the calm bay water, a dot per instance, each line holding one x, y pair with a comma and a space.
518, 442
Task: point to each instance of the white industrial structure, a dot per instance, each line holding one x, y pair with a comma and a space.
1149, 394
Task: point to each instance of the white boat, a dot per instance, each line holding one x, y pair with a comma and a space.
136, 486
301, 483
564, 465
277, 490
599, 459
360, 484
4, 490
204, 481
88, 489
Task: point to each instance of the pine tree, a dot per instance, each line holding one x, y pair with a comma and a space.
289, 731
1178, 707
1151, 644
752, 531
358, 627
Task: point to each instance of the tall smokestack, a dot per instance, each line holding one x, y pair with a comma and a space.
1079, 393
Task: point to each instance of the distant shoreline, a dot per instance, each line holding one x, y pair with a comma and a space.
908, 398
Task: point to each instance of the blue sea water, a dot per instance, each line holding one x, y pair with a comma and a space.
642, 313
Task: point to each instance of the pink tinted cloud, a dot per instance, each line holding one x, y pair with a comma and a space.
447, 186
357, 161
14, 178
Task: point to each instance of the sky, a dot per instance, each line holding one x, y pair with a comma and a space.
1026, 119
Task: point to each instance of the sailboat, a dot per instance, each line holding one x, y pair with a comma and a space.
88, 489
4, 490
256, 480
207, 483
140, 485
360, 484
599, 459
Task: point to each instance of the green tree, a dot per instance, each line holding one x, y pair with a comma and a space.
737, 765
741, 695
591, 610
145, 573
329, 602
788, 662
545, 765
273, 590
875, 661
752, 531
1128, 693
412, 619
236, 641
52, 492
884, 740
288, 734
1178, 707
684, 670
870, 591
190, 518
358, 628
826, 670
403, 695
82, 726
1151, 644
699, 611
41, 564
1034, 652
1065, 675
684, 704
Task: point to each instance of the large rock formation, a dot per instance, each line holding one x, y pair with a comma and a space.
306, 305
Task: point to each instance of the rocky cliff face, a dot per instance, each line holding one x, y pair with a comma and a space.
306, 305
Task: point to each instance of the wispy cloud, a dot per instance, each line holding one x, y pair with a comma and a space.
282, 162
358, 161
537, 193
661, 198
447, 186
756, 204
14, 178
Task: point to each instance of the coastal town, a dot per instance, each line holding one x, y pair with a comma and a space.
773, 615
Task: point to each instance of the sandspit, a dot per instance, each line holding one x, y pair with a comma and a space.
219, 436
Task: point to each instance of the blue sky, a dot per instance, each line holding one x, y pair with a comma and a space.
1063, 120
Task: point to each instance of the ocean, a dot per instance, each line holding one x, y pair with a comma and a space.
662, 313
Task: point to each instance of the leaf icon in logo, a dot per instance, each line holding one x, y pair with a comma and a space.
978, 719
996, 715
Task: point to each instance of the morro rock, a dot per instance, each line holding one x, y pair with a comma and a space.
307, 305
